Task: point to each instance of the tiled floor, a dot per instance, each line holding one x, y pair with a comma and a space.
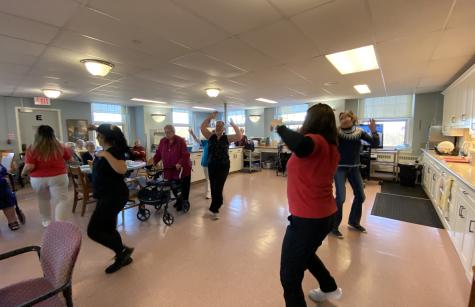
235, 261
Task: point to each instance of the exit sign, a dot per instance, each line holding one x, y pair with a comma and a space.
42, 101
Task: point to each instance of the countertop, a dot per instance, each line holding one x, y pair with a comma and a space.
463, 171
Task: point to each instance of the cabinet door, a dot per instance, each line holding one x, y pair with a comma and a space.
452, 218
460, 222
471, 101
238, 159
468, 238
193, 169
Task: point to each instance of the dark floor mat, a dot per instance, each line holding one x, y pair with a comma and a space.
397, 189
406, 209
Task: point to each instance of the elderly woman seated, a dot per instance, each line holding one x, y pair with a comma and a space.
7, 200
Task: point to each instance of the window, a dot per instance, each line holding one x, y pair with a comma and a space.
182, 123
293, 116
395, 132
239, 118
107, 114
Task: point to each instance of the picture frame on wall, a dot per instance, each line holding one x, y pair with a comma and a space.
77, 129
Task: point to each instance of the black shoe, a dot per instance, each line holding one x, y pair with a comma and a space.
337, 234
121, 260
358, 227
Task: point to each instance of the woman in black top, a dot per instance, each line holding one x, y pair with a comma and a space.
218, 159
111, 193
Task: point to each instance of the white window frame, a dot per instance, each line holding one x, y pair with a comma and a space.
122, 124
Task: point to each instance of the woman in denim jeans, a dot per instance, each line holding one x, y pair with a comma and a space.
349, 146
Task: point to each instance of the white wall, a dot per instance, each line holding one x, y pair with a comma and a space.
69, 110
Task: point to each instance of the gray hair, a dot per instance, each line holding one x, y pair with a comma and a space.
90, 143
70, 145
169, 127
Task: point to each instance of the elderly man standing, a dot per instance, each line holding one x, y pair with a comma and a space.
172, 151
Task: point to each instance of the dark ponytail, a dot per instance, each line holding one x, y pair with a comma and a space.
115, 137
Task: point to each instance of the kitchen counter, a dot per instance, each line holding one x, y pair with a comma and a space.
463, 171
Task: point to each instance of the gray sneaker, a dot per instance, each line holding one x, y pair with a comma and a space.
337, 234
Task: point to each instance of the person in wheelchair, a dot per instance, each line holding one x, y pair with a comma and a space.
7, 204
173, 153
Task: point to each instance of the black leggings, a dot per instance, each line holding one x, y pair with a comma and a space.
102, 226
301, 241
217, 178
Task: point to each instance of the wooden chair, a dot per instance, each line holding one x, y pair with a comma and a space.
81, 186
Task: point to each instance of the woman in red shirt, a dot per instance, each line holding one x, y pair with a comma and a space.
312, 206
45, 163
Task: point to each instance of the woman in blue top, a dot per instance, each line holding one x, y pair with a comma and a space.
349, 146
204, 162
7, 200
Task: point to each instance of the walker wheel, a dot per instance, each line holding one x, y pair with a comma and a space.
186, 206
143, 214
158, 206
168, 219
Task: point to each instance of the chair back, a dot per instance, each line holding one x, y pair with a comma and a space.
79, 179
59, 251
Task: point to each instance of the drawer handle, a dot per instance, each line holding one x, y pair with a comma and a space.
470, 226
461, 211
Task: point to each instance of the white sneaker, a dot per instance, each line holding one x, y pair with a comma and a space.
318, 295
208, 195
214, 216
45, 223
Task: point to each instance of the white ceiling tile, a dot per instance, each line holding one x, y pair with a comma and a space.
463, 14
337, 26
317, 70
164, 18
372, 78
13, 45
125, 60
53, 12
393, 19
238, 53
91, 23
293, 7
440, 72
208, 65
26, 29
164, 79
234, 16
456, 42
282, 41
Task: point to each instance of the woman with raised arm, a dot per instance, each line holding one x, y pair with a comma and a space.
312, 206
204, 162
218, 159
349, 145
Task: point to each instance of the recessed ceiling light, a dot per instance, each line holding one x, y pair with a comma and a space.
53, 94
266, 100
212, 92
362, 88
97, 67
148, 100
354, 60
203, 108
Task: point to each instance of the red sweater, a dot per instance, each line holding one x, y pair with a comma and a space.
172, 154
310, 181
48, 168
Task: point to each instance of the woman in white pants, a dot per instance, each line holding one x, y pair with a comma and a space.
204, 162
45, 163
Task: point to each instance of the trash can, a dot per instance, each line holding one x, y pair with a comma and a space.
407, 174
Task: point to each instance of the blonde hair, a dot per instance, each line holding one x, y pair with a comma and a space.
350, 114
46, 146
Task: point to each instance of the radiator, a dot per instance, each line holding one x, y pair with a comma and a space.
389, 157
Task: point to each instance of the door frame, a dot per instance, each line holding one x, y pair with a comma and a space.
17, 117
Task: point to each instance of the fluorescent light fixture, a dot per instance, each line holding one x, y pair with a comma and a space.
203, 108
354, 60
212, 92
266, 100
158, 117
148, 100
254, 118
53, 94
97, 67
362, 88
